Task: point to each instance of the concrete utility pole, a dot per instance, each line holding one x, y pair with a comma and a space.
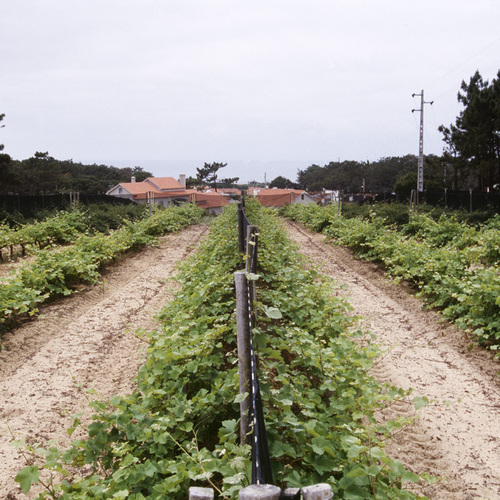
420, 177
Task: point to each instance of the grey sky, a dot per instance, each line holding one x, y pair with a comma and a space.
266, 86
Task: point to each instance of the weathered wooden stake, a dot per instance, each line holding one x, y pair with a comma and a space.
321, 491
243, 339
197, 493
241, 234
260, 492
252, 245
290, 494
251, 264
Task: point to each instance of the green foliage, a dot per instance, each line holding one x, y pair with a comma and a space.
27, 476
180, 427
282, 183
54, 272
65, 227
391, 213
398, 214
44, 174
376, 176
474, 141
209, 174
103, 217
455, 266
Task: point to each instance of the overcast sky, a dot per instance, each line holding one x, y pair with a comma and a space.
267, 86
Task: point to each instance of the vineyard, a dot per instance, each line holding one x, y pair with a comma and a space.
180, 427
328, 420
454, 266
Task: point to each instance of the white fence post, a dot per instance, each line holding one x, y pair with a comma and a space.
197, 493
260, 492
321, 491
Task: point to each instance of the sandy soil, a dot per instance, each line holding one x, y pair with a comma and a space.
457, 437
85, 341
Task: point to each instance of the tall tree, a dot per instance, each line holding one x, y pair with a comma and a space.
209, 174
281, 183
475, 136
7, 179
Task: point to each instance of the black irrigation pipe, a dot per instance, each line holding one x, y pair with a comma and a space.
253, 425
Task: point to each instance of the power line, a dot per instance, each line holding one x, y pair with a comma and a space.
463, 63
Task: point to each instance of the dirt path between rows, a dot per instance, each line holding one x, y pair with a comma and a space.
85, 341
458, 436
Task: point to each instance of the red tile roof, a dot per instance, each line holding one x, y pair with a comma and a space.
164, 183
208, 200
138, 187
277, 197
226, 191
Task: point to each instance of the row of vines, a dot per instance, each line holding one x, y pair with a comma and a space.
64, 227
454, 266
180, 428
55, 271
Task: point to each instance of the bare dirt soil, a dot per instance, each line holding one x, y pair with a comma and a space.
457, 437
85, 341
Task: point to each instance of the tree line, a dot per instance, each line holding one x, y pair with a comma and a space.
43, 174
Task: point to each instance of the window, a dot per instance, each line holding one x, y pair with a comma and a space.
120, 190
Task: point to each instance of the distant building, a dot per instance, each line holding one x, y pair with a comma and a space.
167, 191
280, 197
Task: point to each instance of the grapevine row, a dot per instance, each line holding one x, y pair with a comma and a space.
54, 273
455, 267
65, 227
62, 228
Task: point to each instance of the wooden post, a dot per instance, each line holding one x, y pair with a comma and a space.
320, 491
151, 197
243, 340
197, 493
290, 494
252, 245
252, 241
260, 492
241, 234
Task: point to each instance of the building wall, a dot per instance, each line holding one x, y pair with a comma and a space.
304, 199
